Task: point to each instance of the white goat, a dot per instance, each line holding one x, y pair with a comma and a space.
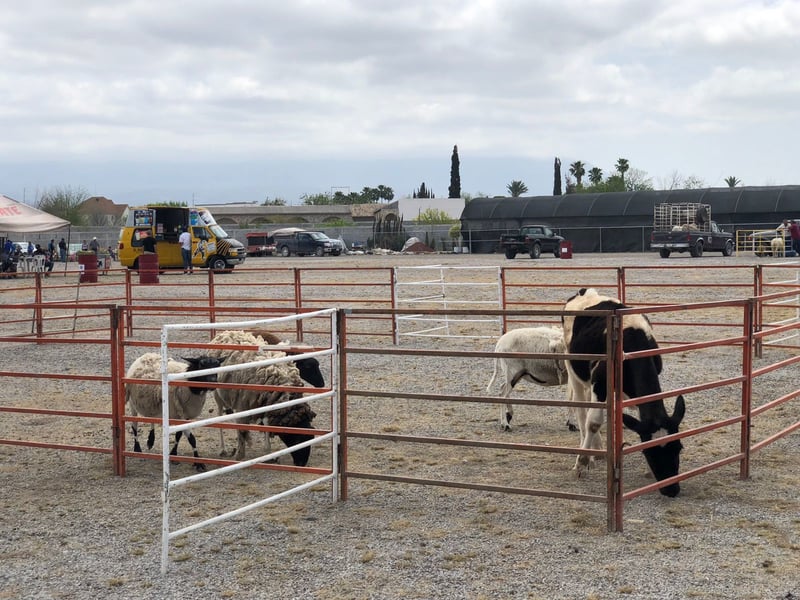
542, 371
185, 403
238, 400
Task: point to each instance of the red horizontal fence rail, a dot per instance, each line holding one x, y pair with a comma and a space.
95, 379
349, 392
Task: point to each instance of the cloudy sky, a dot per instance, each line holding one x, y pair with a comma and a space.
240, 100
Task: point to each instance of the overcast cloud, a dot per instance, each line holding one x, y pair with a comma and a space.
243, 99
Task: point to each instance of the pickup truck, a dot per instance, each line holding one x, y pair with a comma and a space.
305, 243
687, 227
532, 240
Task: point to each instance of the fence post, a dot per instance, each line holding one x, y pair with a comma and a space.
614, 473
117, 391
758, 290
298, 302
341, 448
747, 388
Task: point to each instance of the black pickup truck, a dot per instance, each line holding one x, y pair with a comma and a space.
532, 240
687, 227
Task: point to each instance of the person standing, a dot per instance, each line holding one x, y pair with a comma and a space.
94, 245
185, 240
62, 249
148, 243
794, 232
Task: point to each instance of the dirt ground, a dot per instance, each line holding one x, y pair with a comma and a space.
73, 530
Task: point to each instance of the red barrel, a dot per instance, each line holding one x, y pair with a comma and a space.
148, 268
566, 249
87, 264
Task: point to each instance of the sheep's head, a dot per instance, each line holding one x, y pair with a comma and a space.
310, 372
202, 363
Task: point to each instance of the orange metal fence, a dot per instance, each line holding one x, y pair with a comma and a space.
761, 385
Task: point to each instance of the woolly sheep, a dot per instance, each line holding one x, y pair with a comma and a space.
778, 246
308, 367
237, 400
185, 403
542, 371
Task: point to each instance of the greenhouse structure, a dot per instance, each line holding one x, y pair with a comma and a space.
621, 221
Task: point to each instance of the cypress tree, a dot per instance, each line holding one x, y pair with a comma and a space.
557, 177
454, 190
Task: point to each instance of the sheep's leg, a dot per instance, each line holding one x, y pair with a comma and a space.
193, 443
200, 467
507, 410
151, 437
174, 451
135, 432
241, 442
221, 410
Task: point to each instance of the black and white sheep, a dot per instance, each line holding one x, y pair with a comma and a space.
238, 400
308, 367
185, 403
541, 371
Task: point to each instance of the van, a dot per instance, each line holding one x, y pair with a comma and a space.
212, 247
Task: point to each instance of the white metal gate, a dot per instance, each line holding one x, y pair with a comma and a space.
444, 288
332, 437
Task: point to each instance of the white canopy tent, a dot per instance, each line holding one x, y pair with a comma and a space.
16, 217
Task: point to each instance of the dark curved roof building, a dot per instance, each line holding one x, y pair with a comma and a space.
621, 221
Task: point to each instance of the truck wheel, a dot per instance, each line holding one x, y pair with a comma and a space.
697, 250
217, 263
728, 249
557, 251
536, 251
510, 253
664, 253
285, 251
320, 251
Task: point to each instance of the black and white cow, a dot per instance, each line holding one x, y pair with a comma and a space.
587, 380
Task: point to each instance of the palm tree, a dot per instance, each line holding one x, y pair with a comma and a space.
732, 181
516, 188
578, 170
622, 167
595, 175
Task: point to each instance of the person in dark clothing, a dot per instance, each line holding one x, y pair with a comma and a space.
62, 249
148, 243
794, 231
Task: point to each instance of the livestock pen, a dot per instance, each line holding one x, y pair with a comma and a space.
435, 356
428, 424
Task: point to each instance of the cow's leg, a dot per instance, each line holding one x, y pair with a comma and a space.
578, 392
572, 413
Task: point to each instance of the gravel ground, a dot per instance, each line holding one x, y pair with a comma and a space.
70, 529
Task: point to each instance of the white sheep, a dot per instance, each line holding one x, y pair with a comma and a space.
542, 371
778, 246
185, 403
238, 400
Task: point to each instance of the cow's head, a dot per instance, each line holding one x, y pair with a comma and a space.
663, 460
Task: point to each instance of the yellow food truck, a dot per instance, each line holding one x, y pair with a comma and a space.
212, 247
